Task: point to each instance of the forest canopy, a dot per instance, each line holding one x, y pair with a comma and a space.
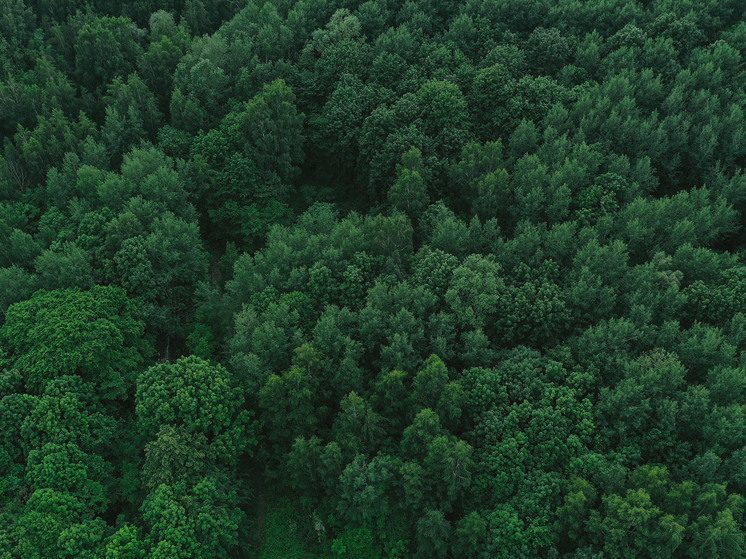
414, 280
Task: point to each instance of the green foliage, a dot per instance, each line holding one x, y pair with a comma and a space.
94, 334
176, 455
185, 520
482, 284
125, 544
131, 115
443, 106
201, 398
409, 193
251, 186
273, 129
287, 404
433, 533
105, 48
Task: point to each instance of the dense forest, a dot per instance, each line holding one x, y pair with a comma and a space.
374, 280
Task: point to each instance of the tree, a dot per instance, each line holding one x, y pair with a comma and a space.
200, 520
430, 383
433, 390
657, 375
18, 23
443, 106
409, 192
67, 412
390, 237
418, 436
481, 178
159, 180
391, 394
490, 93
104, 49
56, 524
200, 398
67, 268
271, 335
387, 149
475, 291
315, 469
433, 534
177, 455
65, 469
125, 543
434, 269
178, 262
19, 248
449, 463
34, 152
547, 50
366, 488
573, 515
273, 127
158, 62
288, 407
357, 543
93, 334
506, 533
335, 133
470, 534
336, 50
708, 220
16, 285
357, 428
251, 159
131, 115
634, 527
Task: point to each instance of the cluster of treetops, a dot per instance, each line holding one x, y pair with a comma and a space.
463, 279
